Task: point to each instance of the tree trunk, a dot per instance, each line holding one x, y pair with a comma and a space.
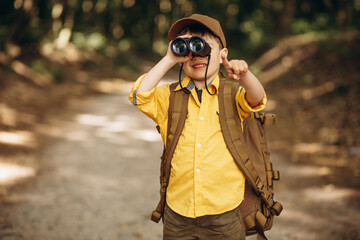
287, 17
22, 21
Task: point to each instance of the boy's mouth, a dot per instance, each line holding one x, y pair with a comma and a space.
199, 65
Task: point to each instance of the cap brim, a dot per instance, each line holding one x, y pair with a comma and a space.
197, 19
180, 25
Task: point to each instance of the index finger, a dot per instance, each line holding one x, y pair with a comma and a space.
225, 61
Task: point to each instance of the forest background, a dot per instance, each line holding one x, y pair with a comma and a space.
306, 53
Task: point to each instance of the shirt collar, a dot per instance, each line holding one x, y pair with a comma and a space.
188, 83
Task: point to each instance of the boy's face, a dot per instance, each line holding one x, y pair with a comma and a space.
196, 66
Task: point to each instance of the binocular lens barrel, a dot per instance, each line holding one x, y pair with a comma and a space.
179, 47
197, 45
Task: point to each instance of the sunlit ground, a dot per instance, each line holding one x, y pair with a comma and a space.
112, 129
12, 173
19, 138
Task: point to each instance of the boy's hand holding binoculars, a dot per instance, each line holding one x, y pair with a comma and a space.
236, 69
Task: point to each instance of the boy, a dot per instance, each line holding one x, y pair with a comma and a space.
206, 186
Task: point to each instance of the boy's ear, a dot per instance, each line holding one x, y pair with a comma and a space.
223, 54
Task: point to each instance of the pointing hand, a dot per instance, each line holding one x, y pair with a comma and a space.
235, 68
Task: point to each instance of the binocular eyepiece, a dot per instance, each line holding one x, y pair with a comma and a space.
196, 45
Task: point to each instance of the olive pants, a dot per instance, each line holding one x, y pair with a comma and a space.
228, 225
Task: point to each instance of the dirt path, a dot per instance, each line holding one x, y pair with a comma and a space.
100, 181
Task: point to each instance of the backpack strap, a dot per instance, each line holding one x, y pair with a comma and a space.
230, 123
178, 103
231, 126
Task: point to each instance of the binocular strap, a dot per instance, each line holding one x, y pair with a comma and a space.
206, 86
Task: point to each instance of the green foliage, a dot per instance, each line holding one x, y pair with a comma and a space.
58, 74
44, 67
300, 26
93, 40
303, 25
3, 33
308, 79
139, 25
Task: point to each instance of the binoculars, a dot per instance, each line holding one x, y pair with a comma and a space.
196, 45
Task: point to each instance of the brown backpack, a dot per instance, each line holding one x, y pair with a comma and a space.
248, 147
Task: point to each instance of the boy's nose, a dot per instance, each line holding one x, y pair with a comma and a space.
193, 56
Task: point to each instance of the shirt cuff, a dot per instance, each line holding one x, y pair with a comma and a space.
138, 98
244, 105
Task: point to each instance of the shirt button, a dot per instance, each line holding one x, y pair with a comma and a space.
198, 170
199, 145
201, 118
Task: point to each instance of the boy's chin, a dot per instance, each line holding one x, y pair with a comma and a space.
198, 80
198, 76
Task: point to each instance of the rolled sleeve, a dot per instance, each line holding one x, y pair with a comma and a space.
138, 98
243, 107
153, 103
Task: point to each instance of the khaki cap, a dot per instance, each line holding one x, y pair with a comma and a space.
212, 24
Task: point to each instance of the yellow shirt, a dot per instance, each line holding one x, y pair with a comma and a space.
205, 179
